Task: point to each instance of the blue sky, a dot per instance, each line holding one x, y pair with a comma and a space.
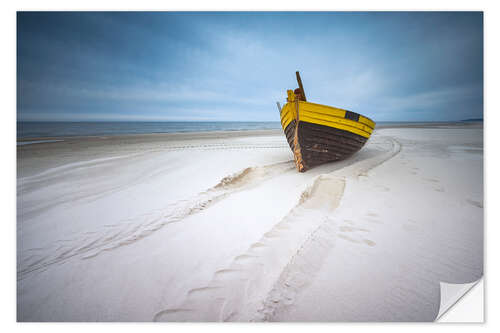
418, 66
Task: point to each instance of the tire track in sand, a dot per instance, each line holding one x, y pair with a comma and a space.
269, 275
92, 243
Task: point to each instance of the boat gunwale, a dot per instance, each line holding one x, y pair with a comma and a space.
334, 108
287, 116
322, 122
286, 112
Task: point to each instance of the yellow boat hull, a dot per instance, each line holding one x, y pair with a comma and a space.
319, 133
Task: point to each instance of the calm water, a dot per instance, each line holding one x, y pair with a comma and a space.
58, 129
55, 129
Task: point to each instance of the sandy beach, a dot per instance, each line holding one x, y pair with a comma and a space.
219, 226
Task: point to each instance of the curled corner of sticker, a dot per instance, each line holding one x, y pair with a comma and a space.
451, 293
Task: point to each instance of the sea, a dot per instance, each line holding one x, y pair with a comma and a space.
30, 129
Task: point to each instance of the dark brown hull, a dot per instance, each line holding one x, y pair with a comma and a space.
322, 144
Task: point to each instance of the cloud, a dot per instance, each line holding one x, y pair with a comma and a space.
234, 66
432, 99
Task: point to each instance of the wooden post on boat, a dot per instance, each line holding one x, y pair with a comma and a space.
279, 106
297, 152
299, 81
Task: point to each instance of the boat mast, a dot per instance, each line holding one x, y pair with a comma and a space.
299, 81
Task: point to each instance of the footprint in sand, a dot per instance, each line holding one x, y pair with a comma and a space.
475, 203
347, 238
346, 228
369, 242
354, 235
371, 217
363, 177
361, 241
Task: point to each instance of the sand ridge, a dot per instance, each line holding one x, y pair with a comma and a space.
115, 235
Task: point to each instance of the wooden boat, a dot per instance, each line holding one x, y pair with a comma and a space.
318, 133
